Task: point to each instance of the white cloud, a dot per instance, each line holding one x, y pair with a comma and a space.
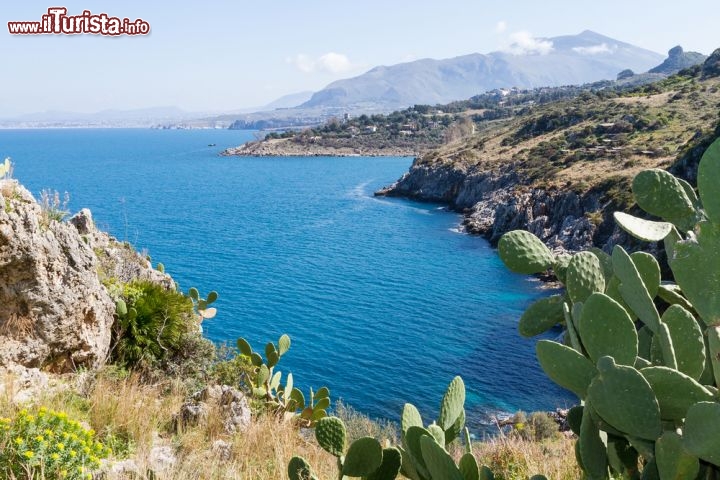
330, 62
501, 26
523, 43
595, 49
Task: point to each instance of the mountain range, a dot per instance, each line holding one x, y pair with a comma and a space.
564, 60
528, 63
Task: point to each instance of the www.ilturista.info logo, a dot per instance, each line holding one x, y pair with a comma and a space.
58, 22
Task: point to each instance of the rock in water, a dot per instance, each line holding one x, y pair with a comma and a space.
55, 315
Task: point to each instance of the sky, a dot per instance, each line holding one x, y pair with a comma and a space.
225, 55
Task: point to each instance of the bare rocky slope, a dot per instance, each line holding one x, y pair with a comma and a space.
561, 169
56, 313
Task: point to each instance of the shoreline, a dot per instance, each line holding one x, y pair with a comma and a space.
286, 148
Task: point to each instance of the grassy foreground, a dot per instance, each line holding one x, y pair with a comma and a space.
133, 417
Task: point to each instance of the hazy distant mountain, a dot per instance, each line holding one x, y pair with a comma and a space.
677, 60
289, 101
105, 115
572, 59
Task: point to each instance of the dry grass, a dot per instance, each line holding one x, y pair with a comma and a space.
513, 458
133, 417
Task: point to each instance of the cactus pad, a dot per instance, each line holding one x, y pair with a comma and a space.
672, 294
283, 345
675, 391
659, 193
606, 329
454, 431
605, 262
452, 403
592, 449
244, 347
390, 466
566, 366
633, 291
584, 276
574, 418
700, 435
412, 444
299, 469
410, 417
437, 433
713, 345
330, 434
621, 456
439, 463
649, 271
363, 457
263, 375
541, 316
672, 459
646, 230
696, 265
523, 252
323, 392
708, 180
486, 473
623, 398
687, 340
468, 467
560, 265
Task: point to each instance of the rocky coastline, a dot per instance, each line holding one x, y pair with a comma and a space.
497, 200
285, 147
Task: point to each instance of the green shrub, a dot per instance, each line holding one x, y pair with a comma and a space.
231, 368
47, 445
543, 426
152, 324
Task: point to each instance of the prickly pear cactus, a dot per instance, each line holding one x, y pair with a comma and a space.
523, 252
330, 434
659, 193
364, 457
652, 407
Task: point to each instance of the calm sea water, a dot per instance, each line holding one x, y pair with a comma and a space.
385, 302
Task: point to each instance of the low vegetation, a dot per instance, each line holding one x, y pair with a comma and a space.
594, 140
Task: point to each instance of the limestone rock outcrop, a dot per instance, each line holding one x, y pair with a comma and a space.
55, 312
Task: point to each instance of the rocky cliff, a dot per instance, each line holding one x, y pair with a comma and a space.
495, 202
561, 169
55, 313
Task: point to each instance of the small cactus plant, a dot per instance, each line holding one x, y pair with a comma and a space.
266, 384
642, 354
422, 455
202, 305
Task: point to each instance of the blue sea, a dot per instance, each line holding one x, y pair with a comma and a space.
385, 301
